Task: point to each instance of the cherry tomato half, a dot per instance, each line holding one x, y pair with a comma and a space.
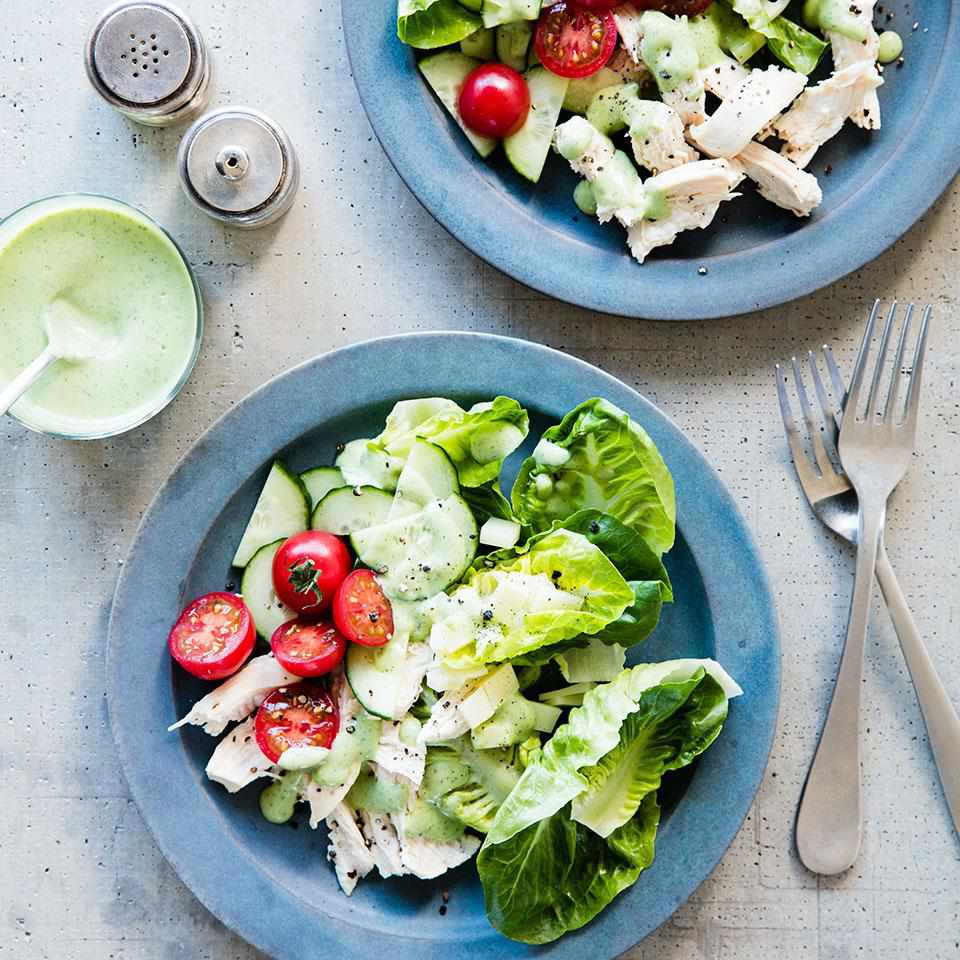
361, 611
675, 8
213, 637
573, 42
300, 715
308, 568
494, 100
308, 649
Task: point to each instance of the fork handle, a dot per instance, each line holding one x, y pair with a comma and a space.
939, 714
830, 819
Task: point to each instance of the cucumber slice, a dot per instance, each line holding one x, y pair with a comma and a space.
581, 91
479, 45
256, 588
347, 509
378, 676
417, 556
608, 109
527, 149
512, 42
364, 464
427, 475
320, 481
445, 72
282, 509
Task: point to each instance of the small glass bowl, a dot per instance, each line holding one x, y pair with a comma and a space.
20, 219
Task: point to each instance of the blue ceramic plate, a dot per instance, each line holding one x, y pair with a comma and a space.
756, 254
272, 884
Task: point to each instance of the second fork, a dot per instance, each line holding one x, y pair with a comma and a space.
875, 449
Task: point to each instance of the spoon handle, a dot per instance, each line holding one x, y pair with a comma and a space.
24, 380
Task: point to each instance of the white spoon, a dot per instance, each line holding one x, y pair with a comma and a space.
72, 335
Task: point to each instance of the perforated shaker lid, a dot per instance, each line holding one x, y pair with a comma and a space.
237, 165
146, 56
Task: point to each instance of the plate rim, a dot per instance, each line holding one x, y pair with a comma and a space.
241, 912
935, 163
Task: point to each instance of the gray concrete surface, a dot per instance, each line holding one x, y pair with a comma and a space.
80, 878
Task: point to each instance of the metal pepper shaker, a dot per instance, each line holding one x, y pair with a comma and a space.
239, 167
148, 60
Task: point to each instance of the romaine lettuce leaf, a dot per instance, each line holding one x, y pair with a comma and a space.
476, 440
466, 784
516, 601
673, 724
590, 733
718, 28
794, 46
427, 24
638, 564
597, 457
791, 44
596, 661
556, 875
487, 501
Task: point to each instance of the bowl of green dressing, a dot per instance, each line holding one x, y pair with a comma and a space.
115, 265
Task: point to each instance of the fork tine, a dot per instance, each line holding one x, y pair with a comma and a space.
916, 374
897, 379
839, 387
800, 459
813, 428
881, 360
859, 369
830, 415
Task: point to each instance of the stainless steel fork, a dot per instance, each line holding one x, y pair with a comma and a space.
876, 448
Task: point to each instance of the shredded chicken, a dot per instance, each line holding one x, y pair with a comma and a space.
427, 859
657, 140
384, 844
759, 98
819, 113
237, 760
627, 68
627, 18
847, 53
324, 800
239, 696
723, 78
348, 849
780, 180
397, 757
689, 100
694, 193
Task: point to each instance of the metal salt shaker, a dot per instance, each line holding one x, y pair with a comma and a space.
148, 60
239, 167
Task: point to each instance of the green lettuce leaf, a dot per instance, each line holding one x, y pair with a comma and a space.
596, 661
791, 44
638, 564
597, 457
487, 501
590, 733
673, 724
794, 46
556, 875
513, 602
427, 24
468, 785
476, 440
719, 29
